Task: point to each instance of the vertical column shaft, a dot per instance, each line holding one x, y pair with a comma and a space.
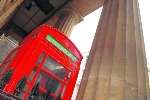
116, 66
2, 3
66, 19
7, 8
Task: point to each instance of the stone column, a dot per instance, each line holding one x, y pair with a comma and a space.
7, 7
116, 68
66, 19
2, 4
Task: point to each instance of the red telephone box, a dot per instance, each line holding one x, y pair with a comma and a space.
44, 66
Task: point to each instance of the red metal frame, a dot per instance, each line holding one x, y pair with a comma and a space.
31, 49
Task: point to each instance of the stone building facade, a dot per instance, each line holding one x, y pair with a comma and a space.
116, 67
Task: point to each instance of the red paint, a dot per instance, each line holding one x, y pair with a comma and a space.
25, 60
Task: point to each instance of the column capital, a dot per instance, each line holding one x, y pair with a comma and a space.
65, 19
72, 11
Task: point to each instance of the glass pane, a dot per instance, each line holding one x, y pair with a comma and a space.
50, 84
40, 58
36, 94
6, 45
32, 74
11, 56
55, 67
8, 60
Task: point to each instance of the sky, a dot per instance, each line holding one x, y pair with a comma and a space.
85, 29
82, 36
83, 33
145, 17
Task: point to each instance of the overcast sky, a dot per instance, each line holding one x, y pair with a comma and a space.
145, 17
82, 36
83, 33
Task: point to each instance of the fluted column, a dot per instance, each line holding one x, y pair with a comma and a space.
66, 19
7, 7
2, 4
116, 68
